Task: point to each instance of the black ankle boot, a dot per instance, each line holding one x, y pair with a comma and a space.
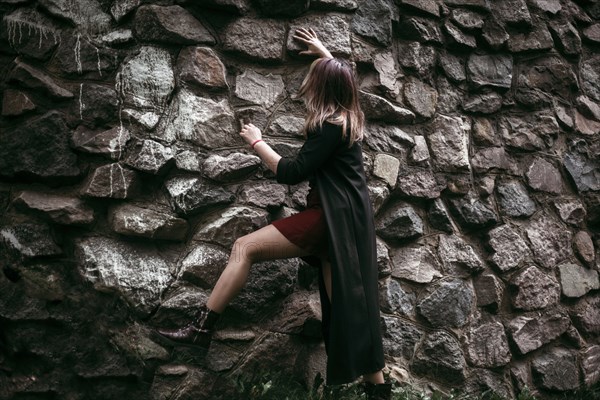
197, 333
380, 391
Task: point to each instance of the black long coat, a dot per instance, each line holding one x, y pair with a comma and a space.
351, 321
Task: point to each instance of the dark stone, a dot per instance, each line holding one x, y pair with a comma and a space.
420, 97
431, 7
16, 103
230, 168
400, 337
38, 148
550, 75
584, 247
449, 305
586, 315
301, 315
487, 346
577, 281
590, 76
28, 240
489, 290
120, 9
438, 216
263, 194
590, 365
448, 141
170, 24
419, 183
466, 19
513, 12
201, 66
399, 222
394, 299
510, 250
592, 33
532, 289
87, 15
203, 265
488, 384
373, 20
90, 60
134, 220
457, 38
531, 333
97, 105
566, 37
543, 176
57, 208
112, 181
333, 29
453, 67
181, 381
421, 29
388, 138
110, 143
149, 156
531, 132
334, 5
190, 195
33, 78
472, 213
225, 227
378, 108
458, 257
490, 70
545, 230
494, 34
538, 39
514, 200
485, 103
493, 159
416, 57
584, 171
556, 370
476, 4
439, 357
41, 38
260, 39
570, 211
291, 8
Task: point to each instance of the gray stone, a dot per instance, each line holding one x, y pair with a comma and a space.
333, 29
588, 107
571, 211
592, 33
151, 64
424, 30
577, 281
541, 77
188, 160
439, 357
493, 384
494, 34
378, 194
533, 289
457, 38
538, 39
448, 140
399, 222
372, 20
415, 263
533, 132
264, 194
400, 337
512, 12
490, 70
179, 304
203, 265
486, 346
232, 223
590, 365
33, 78
141, 220
566, 37
531, 333
112, 181
439, 217
428, 6
230, 168
287, 125
200, 121
476, 4
301, 315
87, 15
420, 152
386, 167
556, 370
121, 8
97, 105
489, 290
549, 6
586, 126
16, 103
110, 143
378, 108
201, 66
584, 247
453, 67
494, 159
584, 171
485, 103
590, 76
290, 8
57, 208
169, 24
335, 5
449, 305
420, 97
264, 90
28, 240
510, 250
78, 55
586, 315
189, 195
135, 341
416, 57
544, 230
42, 33
149, 156
484, 133
147, 119
136, 272
543, 176
419, 183
458, 256
387, 138
260, 39
514, 200
394, 299
472, 213
118, 37
466, 19
384, 263
180, 382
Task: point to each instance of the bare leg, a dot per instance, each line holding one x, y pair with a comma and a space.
375, 377
264, 244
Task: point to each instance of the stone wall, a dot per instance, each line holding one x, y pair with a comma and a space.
124, 184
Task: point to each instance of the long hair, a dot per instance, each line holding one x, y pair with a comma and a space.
330, 94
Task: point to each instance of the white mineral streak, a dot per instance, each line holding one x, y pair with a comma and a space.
34, 22
113, 189
178, 187
81, 105
77, 51
98, 56
148, 119
87, 15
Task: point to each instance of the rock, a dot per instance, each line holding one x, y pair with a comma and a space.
488, 382
118, 37
586, 126
110, 143
592, 33
264, 90
122, 8
136, 272
423, 30
556, 370
384, 264
57, 208
399, 222
28, 240
453, 67
448, 140
149, 156
485, 103
476, 4
457, 38
584, 247
179, 305
590, 77
372, 20
543, 176
420, 97
234, 222
419, 183
427, 6
180, 381
387, 138
489, 290
486, 346
529, 333
532, 289
510, 250
536, 131
564, 117
586, 315
549, 6
420, 152
449, 305
334, 5
264, 195
400, 337
514, 200
39, 27
570, 211
590, 365
513, 12
169, 24
134, 220
287, 125
566, 37
33, 78
378, 194
135, 341
588, 108
200, 121
394, 299
189, 195
576, 281
458, 256
15, 103
416, 57
112, 181
151, 64
439, 356
203, 265
490, 70
87, 15
538, 39
301, 315
97, 106
80, 56
584, 171
494, 159
439, 217
415, 263
334, 29
147, 119
230, 168
466, 19
544, 230
548, 75
378, 108
385, 64
386, 167
201, 66
494, 34
472, 213
291, 8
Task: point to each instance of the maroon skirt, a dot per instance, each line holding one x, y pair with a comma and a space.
307, 229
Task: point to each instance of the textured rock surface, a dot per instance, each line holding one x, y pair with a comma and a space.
416, 264
61, 209
534, 289
530, 333
545, 230
576, 281
487, 345
510, 250
449, 305
439, 356
132, 220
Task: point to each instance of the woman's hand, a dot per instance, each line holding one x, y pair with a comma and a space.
315, 47
250, 133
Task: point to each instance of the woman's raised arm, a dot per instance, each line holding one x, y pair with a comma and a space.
315, 47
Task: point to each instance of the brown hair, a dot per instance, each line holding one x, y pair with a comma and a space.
330, 94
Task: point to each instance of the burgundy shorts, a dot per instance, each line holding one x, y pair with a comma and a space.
306, 229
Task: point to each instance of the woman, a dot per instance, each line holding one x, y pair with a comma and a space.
337, 227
